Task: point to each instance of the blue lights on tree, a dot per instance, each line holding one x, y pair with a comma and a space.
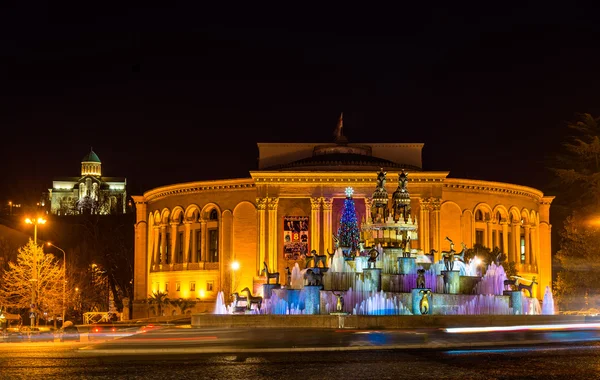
348, 232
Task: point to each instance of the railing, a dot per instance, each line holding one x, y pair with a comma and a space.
203, 265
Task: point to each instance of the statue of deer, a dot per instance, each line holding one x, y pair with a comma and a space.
461, 256
257, 300
316, 258
527, 287
237, 299
269, 275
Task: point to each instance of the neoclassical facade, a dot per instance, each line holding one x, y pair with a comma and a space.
188, 235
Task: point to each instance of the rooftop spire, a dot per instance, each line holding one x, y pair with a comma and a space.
339, 132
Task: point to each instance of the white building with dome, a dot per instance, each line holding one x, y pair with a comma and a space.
89, 193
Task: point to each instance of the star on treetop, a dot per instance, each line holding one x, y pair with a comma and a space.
349, 191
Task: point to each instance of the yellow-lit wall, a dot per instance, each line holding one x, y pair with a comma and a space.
443, 207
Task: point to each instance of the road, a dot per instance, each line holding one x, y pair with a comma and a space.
158, 356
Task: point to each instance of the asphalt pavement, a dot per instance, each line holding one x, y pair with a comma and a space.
187, 340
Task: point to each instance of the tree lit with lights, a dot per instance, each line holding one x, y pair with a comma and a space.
348, 232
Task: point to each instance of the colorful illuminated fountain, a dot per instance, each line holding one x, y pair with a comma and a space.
389, 277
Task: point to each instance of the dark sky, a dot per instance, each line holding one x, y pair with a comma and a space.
177, 93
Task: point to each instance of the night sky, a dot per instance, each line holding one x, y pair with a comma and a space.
171, 93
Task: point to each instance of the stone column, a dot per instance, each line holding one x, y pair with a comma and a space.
545, 257
488, 234
273, 234
173, 242
186, 241
193, 247
424, 225
327, 225
163, 244
505, 239
436, 205
516, 243
156, 248
203, 237
534, 245
527, 244
315, 223
261, 206
141, 260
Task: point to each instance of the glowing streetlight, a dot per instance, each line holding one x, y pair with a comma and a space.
64, 278
34, 278
10, 204
235, 265
35, 223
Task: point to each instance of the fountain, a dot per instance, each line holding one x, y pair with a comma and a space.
391, 278
297, 281
220, 307
548, 303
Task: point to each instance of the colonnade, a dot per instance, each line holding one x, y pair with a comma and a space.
189, 238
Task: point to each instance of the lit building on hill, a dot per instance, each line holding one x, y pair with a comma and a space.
89, 193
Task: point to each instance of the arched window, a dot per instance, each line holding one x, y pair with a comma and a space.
214, 215
478, 216
498, 217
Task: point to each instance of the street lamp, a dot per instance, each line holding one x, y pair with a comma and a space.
10, 205
34, 278
64, 278
35, 223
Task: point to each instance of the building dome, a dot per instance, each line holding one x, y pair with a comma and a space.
90, 165
91, 157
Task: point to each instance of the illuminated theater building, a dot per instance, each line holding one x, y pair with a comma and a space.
187, 235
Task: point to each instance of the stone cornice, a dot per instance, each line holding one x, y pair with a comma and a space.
198, 187
349, 178
379, 145
494, 187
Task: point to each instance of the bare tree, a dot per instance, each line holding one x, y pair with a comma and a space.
34, 276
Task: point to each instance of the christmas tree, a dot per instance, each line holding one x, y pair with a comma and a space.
348, 232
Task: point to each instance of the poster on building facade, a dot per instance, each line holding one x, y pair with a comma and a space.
295, 237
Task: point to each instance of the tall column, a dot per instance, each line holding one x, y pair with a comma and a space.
488, 235
424, 225
203, 238
261, 205
194, 257
273, 234
141, 260
156, 249
534, 245
173, 243
527, 244
545, 232
435, 230
163, 244
327, 225
315, 223
516, 243
186, 241
505, 239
